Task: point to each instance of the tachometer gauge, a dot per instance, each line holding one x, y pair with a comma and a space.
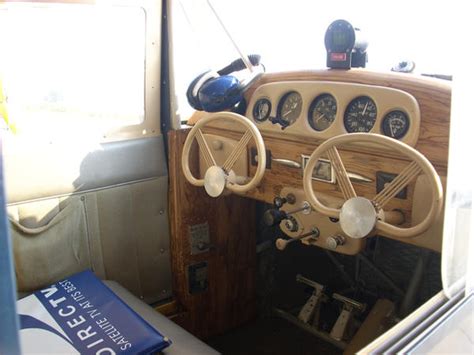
360, 115
395, 124
322, 112
261, 110
289, 107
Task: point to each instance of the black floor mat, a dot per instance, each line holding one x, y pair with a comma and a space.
270, 336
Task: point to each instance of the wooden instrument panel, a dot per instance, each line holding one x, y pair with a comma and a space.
433, 98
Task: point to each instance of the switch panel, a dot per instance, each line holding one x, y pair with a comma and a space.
198, 281
199, 238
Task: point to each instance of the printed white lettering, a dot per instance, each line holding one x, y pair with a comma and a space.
86, 333
48, 292
55, 303
75, 321
94, 313
101, 321
71, 312
85, 305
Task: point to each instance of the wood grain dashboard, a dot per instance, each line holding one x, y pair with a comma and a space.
429, 102
229, 299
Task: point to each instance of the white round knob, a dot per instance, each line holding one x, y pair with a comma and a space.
358, 217
281, 243
334, 241
214, 181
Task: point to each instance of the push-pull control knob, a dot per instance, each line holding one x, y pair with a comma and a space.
334, 241
273, 217
281, 243
279, 201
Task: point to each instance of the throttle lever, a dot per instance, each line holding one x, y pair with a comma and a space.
281, 243
274, 216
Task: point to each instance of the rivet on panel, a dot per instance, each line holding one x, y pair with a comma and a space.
83, 198
162, 250
161, 211
164, 291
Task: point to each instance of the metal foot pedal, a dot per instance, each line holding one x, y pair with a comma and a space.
311, 308
377, 322
349, 309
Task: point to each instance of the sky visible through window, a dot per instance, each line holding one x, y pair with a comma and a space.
73, 65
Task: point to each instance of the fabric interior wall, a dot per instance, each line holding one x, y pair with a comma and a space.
134, 232
38, 250
121, 233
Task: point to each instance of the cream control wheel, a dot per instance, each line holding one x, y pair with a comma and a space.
359, 216
218, 178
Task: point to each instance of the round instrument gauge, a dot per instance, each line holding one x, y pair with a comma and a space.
395, 124
289, 107
322, 112
360, 115
261, 110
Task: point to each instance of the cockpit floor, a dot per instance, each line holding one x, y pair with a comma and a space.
270, 335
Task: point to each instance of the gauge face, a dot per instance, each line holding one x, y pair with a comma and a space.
360, 115
289, 107
395, 124
322, 112
261, 110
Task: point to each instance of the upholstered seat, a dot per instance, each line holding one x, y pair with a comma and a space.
183, 342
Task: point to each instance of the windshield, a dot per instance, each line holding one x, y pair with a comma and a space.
289, 35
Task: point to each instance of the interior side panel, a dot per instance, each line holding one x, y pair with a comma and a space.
118, 196
121, 233
63, 168
133, 225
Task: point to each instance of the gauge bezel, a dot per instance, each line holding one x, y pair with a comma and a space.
347, 110
312, 106
282, 101
255, 106
407, 127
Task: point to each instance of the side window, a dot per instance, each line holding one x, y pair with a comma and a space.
69, 68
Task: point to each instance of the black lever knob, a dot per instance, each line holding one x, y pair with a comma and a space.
273, 217
280, 121
279, 201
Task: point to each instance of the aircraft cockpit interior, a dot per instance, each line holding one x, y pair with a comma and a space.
243, 209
